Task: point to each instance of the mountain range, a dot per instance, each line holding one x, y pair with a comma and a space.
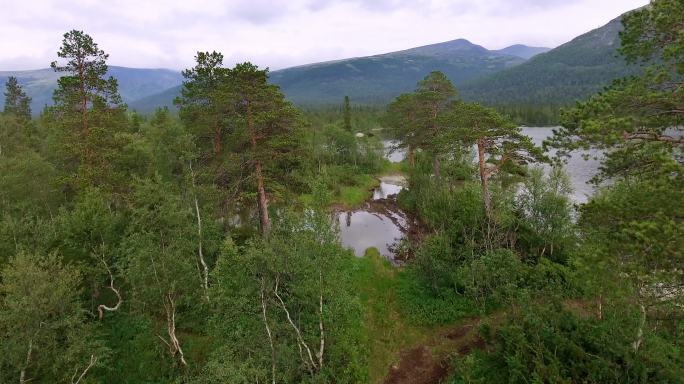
377, 79
134, 83
518, 74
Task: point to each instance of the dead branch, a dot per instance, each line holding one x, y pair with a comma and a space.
268, 332
205, 268
22, 374
311, 363
646, 136
173, 343
320, 320
102, 307
93, 361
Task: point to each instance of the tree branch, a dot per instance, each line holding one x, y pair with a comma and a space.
93, 360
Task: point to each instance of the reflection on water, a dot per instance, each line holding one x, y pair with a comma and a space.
386, 190
360, 230
391, 154
378, 224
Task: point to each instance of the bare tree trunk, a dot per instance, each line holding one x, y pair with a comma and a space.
640, 332
102, 307
311, 363
200, 253
173, 343
22, 374
258, 174
263, 201
84, 110
93, 361
217, 139
484, 177
436, 166
268, 332
321, 347
411, 156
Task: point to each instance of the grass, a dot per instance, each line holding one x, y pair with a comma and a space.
351, 196
387, 331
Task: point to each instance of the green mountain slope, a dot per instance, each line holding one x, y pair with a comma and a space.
134, 83
373, 79
561, 76
378, 79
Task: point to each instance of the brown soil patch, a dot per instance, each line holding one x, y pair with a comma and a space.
429, 363
417, 366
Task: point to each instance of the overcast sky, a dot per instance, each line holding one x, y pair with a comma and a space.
283, 33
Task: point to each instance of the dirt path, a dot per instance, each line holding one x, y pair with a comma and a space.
429, 363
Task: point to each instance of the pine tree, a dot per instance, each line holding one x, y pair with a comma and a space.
205, 101
88, 109
499, 141
270, 124
416, 116
16, 100
347, 114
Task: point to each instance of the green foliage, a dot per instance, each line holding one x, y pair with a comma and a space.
43, 326
545, 216
87, 112
16, 101
297, 273
550, 343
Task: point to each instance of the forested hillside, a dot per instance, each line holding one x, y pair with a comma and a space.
561, 76
205, 247
373, 80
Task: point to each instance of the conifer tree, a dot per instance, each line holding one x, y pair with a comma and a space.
499, 141
88, 107
347, 114
416, 116
270, 124
16, 100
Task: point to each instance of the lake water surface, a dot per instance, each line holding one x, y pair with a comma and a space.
381, 224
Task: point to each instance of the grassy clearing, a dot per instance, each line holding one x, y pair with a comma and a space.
387, 331
355, 195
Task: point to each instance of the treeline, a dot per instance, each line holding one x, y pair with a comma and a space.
532, 115
156, 249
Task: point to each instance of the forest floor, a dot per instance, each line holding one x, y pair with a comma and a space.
400, 351
429, 361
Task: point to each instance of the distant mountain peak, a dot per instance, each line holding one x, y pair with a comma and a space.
523, 51
448, 48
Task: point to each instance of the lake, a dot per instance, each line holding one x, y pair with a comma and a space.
380, 223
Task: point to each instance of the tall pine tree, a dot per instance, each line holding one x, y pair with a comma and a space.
16, 100
88, 110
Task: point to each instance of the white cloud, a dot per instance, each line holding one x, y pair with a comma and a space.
281, 33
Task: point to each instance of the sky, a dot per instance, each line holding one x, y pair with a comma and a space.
284, 33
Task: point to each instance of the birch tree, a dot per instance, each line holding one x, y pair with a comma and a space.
161, 264
44, 333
